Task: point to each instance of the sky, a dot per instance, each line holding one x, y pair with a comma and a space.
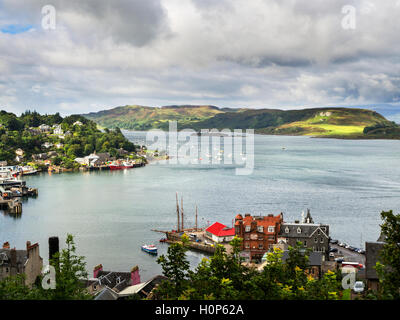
285, 54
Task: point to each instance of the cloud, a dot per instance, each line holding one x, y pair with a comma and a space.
275, 53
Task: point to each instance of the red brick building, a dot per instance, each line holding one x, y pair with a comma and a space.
259, 233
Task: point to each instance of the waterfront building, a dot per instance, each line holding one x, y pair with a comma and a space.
27, 262
219, 232
312, 235
259, 233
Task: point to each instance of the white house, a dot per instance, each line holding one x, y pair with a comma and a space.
58, 130
219, 232
44, 128
47, 145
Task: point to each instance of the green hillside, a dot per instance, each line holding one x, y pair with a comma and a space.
324, 122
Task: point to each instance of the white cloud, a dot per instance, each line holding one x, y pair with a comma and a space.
276, 53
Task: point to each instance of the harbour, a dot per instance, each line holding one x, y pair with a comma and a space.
111, 213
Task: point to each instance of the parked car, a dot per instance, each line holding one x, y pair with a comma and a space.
331, 255
358, 287
341, 244
334, 241
339, 260
333, 250
362, 251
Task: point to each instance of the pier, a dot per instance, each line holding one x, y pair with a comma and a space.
13, 206
11, 190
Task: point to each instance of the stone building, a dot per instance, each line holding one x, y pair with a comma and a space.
27, 262
259, 233
312, 235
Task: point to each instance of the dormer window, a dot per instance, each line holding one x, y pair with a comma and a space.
287, 230
271, 229
299, 230
247, 229
260, 229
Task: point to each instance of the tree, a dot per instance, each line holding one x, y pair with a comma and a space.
70, 271
388, 267
175, 267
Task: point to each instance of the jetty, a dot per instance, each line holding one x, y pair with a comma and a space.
11, 190
13, 206
196, 236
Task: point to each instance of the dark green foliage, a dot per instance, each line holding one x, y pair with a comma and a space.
225, 277
388, 267
81, 141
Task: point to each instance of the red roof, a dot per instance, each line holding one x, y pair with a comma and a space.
220, 230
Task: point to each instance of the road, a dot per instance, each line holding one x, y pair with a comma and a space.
348, 255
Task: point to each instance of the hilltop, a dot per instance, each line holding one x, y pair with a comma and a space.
321, 122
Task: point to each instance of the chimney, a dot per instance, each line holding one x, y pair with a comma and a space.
96, 270
6, 245
135, 277
13, 257
53, 247
297, 221
28, 244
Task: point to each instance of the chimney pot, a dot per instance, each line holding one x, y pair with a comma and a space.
6, 245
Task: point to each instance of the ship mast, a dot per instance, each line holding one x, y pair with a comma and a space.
182, 213
177, 211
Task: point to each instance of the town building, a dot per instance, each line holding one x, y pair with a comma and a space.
372, 252
58, 130
111, 280
27, 262
39, 156
219, 232
77, 123
44, 128
47, 145
19, 155
259, 233
312, 235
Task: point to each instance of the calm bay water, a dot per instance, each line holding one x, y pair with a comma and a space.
345, 183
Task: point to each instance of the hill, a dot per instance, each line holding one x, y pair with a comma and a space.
322, 122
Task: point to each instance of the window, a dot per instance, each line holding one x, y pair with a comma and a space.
247, 245
322, 240
319, 232
271, 229
260, 237
246, 237
247, 229
298, 230
287, 230
305, 242
260, 246
260, 229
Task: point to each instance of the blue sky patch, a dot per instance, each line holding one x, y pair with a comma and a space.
15, 28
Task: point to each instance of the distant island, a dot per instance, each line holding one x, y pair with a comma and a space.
343, 123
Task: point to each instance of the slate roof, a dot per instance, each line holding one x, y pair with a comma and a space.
107, 294
307, 230
21, 256
114, 280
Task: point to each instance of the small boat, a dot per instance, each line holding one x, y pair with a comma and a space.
163, 240
120, 166
152, 249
